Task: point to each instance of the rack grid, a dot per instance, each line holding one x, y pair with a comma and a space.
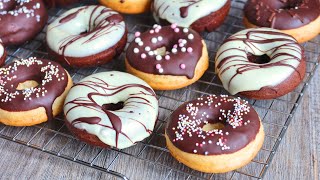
151, 154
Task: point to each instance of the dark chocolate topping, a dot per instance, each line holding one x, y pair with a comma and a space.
51, 77
59, 3
22, 21
241, 125
282, 14
183, 51
109, 109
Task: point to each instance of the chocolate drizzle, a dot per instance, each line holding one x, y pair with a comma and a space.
100, 88
51, 77
282, 14
185, 127
184, 11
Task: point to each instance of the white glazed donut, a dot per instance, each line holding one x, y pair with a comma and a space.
86, 32
239, 74
95, 105
2, 54
184, 12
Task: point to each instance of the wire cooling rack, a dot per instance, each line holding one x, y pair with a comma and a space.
150, 158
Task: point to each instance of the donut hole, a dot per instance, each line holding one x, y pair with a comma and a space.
113, 106
212, 126
27, 85
263, 59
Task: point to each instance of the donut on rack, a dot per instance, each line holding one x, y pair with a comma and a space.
3, 54
111, 109
128, 6
298, 18
260, 63
86, 36
200, 15
32, 91
167, 58
214, 134
21, 20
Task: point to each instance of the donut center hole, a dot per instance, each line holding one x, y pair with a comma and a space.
161, 51
113, 106
258, 59
212, 126
27, 85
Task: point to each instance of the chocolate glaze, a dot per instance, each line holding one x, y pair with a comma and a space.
172, 66
282, 14
16, 30
115, 120
250, 42
233, 138
54, 87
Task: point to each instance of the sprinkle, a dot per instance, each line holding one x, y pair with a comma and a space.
176, 30
151, 31
183, 49
147, 48
157, 30
151, 53
136, 50
137, 34
182, 66
190, 36
181, 45
143, 55
160, 38
140, 43
190, 49
154, 40
137, 40
173, 26
160, 70
174, 50
195, 151
175, 46
167, 57
155, 26
158, 66
185, 30
158, 57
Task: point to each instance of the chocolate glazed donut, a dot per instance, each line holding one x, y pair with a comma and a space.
20, 21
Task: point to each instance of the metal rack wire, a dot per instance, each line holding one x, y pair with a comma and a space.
151, 154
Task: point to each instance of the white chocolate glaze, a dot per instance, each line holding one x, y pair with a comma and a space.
1, 49
118, 128
170, 10
238, 74
85, 31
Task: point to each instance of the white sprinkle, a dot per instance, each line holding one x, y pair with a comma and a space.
158, 58
154, 40
136, 50
190, 36
147, 48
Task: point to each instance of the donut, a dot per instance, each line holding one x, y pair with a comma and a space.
32, 91
21, 20
214, 134
3, 54
298, 18
200, 15
59, 3
260, 63
111, 109
167, 58
128, 6
86, 36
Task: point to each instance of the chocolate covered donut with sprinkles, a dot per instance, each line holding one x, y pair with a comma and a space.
168, 57
206, 133
32, 91
21, 20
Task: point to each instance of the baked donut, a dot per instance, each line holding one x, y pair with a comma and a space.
298, 18
167, 57
59, 3
3, 54
214, 134
21, 20
200, 15
86, 36
128, 6
32, 91
261, 63
111, 109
